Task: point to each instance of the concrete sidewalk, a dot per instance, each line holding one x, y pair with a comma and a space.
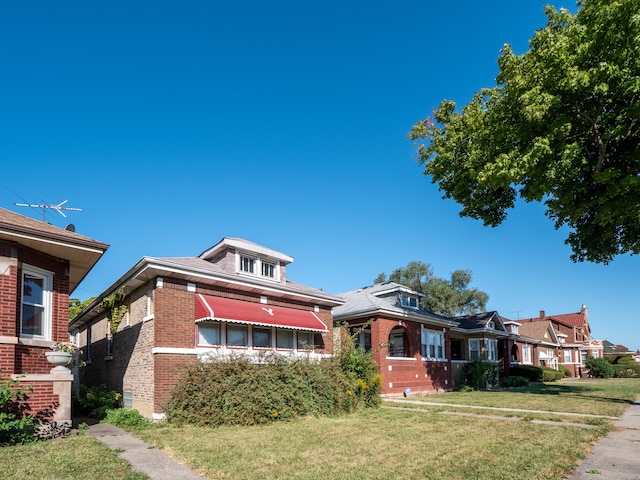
143, 458
616, 456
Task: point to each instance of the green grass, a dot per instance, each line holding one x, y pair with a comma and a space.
607, 397
70, 458
379, 444
374, 444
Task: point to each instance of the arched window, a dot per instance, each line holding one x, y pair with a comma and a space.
398, 343
514, 353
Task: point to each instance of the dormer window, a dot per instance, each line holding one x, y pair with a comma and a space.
268, 269
514, 328
247, 264
408, 301
253, 265
491, 325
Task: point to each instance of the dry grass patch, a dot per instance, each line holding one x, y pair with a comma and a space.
379, 444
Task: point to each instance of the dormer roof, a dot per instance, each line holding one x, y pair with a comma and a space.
245, 246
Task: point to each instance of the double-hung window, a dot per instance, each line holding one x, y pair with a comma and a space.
474, 349
492, 349
432, 344
247, 264
36, 308
526, 354
567, 356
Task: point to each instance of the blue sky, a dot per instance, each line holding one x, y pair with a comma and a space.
174, 124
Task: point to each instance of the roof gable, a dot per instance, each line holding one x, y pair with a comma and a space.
81, 252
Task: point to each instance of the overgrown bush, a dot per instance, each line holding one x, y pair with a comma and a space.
599, 367
626, 370
564, 370
15, 426
514, 381
238, 390
533, 374
551, 374
479, 375
94, 401
122, 417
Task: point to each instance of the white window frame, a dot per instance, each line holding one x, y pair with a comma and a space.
475, 346
526, 354
268, 269
492, 349
46, 305
432, 344
247, 264
409, 301
567, 356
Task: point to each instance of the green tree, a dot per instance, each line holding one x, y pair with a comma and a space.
76, 306
560, 127
445, 297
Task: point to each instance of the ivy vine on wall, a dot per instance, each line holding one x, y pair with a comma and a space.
115, 308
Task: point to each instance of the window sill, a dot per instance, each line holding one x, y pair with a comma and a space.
147, 318
402, 358
108, 357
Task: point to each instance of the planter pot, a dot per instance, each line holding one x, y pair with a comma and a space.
60, 360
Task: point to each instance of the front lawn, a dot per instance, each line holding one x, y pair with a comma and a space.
374, 444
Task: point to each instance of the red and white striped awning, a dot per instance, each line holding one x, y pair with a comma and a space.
229, 310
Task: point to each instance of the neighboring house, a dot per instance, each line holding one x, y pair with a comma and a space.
483, 336
609, 348
411, 346
574, 342
538, 344
234, 298
40, 265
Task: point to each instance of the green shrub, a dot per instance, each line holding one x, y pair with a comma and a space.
479, 375
96, 400
599, 367
122, 417
551, 374
626, 370
533, 374
564, 370
514, 381
15, 426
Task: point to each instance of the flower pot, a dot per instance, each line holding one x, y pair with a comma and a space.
60, 360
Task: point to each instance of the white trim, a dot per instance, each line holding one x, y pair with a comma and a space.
47, 301
159, 416
402, 358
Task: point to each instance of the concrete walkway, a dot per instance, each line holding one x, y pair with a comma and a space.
616, 456
143, 458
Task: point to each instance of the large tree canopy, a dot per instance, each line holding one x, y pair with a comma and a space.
560, 127
444, 297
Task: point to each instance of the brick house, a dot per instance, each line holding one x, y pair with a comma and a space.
411, 346
538, 344
40, 265
234, 298
481, 336
573, 334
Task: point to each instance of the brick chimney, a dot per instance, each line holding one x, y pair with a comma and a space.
542, 314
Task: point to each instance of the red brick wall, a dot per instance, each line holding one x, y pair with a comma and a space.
41, 402
167, 373
30, 358
415, 374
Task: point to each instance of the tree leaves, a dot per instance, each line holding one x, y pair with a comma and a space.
560, 127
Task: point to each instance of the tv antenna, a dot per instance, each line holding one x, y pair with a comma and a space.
58, 208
